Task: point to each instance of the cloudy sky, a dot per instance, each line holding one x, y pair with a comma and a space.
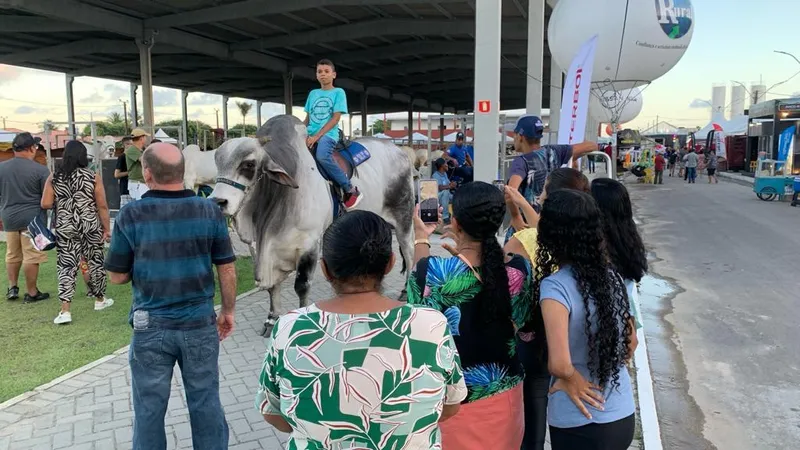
733, 40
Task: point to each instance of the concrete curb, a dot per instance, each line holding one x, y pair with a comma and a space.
648, 415
25, 395
736, 178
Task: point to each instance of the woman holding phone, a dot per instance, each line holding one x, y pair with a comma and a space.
479, 289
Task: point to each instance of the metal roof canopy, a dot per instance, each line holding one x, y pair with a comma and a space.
397, 51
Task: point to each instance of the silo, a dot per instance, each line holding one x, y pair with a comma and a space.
718, 97
738, 94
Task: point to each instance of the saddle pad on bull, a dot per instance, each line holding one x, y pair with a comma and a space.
356, 153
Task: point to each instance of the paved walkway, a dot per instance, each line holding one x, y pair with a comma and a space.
90, 409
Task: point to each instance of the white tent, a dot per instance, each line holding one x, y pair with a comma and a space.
737, 125
164, 137
381, 136
7, 136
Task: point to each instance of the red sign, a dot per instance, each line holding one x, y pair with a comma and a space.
484, 106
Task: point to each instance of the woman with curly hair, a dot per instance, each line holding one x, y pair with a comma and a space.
523, 242
483, 293
623, 242
590, 332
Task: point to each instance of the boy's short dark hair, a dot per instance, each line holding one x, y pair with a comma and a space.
326, 62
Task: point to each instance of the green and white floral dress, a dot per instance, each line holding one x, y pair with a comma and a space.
365, 381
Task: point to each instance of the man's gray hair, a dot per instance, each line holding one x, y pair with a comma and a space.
162, 171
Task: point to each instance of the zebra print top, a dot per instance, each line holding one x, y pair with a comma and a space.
76, 210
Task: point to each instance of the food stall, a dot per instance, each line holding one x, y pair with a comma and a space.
768, 135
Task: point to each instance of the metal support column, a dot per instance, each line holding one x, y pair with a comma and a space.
145, 69
364, 113
134, 110
259, 103
411, 123
488, 28
184, 118
70, 108
441, 130
288, 101
533, 97
556, 84
225, 116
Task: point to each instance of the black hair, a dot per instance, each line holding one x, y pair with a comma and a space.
571, 233
479, 208
326, 62
567, 178
625, 247
75, 157
356, 249
438, 164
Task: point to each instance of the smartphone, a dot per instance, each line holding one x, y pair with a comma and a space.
429, 201
499, 184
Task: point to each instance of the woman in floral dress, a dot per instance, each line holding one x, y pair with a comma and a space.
360, 370
484, 296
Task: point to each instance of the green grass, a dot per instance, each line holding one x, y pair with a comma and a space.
36, 351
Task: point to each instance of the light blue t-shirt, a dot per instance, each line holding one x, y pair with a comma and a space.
320, 107
441, 178
561, 412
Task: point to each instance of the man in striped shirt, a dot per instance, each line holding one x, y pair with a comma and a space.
165, 245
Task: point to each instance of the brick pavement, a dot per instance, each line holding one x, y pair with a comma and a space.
91, 409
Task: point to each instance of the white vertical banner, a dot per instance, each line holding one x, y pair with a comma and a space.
575, 100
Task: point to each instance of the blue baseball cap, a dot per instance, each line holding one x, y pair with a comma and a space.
530, 127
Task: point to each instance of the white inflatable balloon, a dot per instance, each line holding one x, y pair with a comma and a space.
627, 103
639, 40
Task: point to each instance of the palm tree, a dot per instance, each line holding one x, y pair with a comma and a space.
115, 118
49, 125
244, 109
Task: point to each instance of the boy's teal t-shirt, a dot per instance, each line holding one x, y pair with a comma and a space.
320, 107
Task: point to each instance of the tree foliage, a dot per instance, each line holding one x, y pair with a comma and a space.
236, 131
379, 126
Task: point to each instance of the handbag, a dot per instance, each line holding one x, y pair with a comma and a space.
42, 238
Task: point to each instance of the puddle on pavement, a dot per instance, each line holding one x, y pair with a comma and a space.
679, 417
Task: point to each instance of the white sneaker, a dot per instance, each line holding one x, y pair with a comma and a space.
99, 306
62, 318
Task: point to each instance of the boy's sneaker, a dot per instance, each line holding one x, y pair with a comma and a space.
62, 318
352, 199
36, 298
12, 293
99, 306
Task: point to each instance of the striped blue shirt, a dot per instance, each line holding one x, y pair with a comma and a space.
168, 241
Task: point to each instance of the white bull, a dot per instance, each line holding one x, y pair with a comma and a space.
281, 205
200, 167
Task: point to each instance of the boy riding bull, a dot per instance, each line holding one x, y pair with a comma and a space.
324, 109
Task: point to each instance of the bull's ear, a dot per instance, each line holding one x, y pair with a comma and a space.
277, 174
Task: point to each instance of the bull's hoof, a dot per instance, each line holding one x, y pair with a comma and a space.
403, 296
269, 324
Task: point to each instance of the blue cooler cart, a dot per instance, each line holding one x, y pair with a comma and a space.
771, 181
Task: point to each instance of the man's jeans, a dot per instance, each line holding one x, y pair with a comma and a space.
444, 201
325, 146
153, 353
464, 172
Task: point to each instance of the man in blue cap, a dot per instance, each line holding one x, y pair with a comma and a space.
461, 155
530, 170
